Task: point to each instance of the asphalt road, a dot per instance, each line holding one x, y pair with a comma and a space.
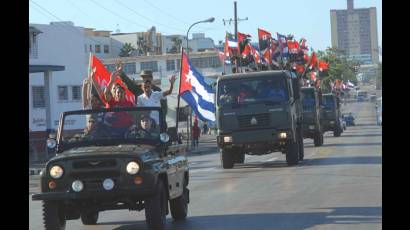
337, 186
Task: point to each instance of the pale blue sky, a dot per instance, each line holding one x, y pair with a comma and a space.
303, 18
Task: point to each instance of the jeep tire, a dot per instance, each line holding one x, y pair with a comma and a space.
337, 132
156, 208
292, 152
300, 144
227, 158
318, 140
89, 218
53, 215
179, 205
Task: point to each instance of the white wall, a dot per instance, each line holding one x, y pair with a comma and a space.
58, 45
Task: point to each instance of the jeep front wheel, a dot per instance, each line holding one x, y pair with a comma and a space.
318, 140
53, 215
89, 218
179, 205
156, 208
227, 159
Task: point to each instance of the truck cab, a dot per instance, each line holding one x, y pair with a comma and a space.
311, 98
258, 113
330, 117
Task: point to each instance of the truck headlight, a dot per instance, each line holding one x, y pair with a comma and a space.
56, 171
282, 135
311, 127
133, 168
227, 139
108, 184
331, 122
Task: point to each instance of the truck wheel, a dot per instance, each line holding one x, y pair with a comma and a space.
239, 157
227, 159
292, 152
318, 140
337, 133
89, 218
300, 145
53, 216
156, 208
179, 206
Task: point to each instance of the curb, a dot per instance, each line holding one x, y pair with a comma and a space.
34, 171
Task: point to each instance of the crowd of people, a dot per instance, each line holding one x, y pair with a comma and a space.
113, 96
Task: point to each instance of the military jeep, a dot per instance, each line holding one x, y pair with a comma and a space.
258, 113
331, 115
312, 128
122, 159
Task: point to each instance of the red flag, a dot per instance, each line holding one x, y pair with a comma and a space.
265, 44
323, 66
300, 68
185, 82
293, 47
313, 76
246, 51
255, 54
102, 76
242, 41
313, 61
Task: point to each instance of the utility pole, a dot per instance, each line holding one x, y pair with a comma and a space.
237, 57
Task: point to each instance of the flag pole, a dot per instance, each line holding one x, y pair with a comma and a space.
90, 63
179, 87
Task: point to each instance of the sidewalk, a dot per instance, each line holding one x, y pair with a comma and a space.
207, 144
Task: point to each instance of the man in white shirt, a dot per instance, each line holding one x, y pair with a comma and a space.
152, 98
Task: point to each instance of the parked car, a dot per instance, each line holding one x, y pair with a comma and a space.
349, 119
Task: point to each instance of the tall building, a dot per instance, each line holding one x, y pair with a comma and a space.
354, 31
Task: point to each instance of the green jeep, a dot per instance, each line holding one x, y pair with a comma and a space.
122, 159
330, 117
311, 98
258, 113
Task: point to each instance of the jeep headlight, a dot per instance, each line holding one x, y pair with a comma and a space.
133, 168
227, 139
56, 171
311, 127
332, 122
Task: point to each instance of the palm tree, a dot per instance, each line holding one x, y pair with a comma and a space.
126, 50
176, 45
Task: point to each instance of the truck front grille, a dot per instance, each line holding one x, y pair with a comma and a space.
245, 121
95, 164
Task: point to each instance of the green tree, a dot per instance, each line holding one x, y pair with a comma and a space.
126, 50
142, 47
176, 45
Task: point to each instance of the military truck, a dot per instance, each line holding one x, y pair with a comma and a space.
331, 116
312, 128
122, 159
258, 113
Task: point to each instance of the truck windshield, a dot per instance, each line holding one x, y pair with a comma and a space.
308, 100
328, 102
123, 125
252, 91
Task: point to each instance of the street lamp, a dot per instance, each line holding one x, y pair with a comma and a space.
212, 19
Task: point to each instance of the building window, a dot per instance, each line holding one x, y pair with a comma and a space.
110, 68
91, 48
76, 93
106, 49
178, 64
39, 100
130, 68
98, 48
62, 93
170, 65
151, 65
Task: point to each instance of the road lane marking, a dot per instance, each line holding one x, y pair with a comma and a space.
273, 159
201, 170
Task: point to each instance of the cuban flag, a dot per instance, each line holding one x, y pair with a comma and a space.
194, 90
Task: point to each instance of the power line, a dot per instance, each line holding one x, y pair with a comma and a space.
125, 19
152, 5
129, 8
66, 26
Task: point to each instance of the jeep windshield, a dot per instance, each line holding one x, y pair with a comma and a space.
328, 102
308, 101
110, 127
250, 91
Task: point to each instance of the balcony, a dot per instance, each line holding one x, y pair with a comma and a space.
33, 52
